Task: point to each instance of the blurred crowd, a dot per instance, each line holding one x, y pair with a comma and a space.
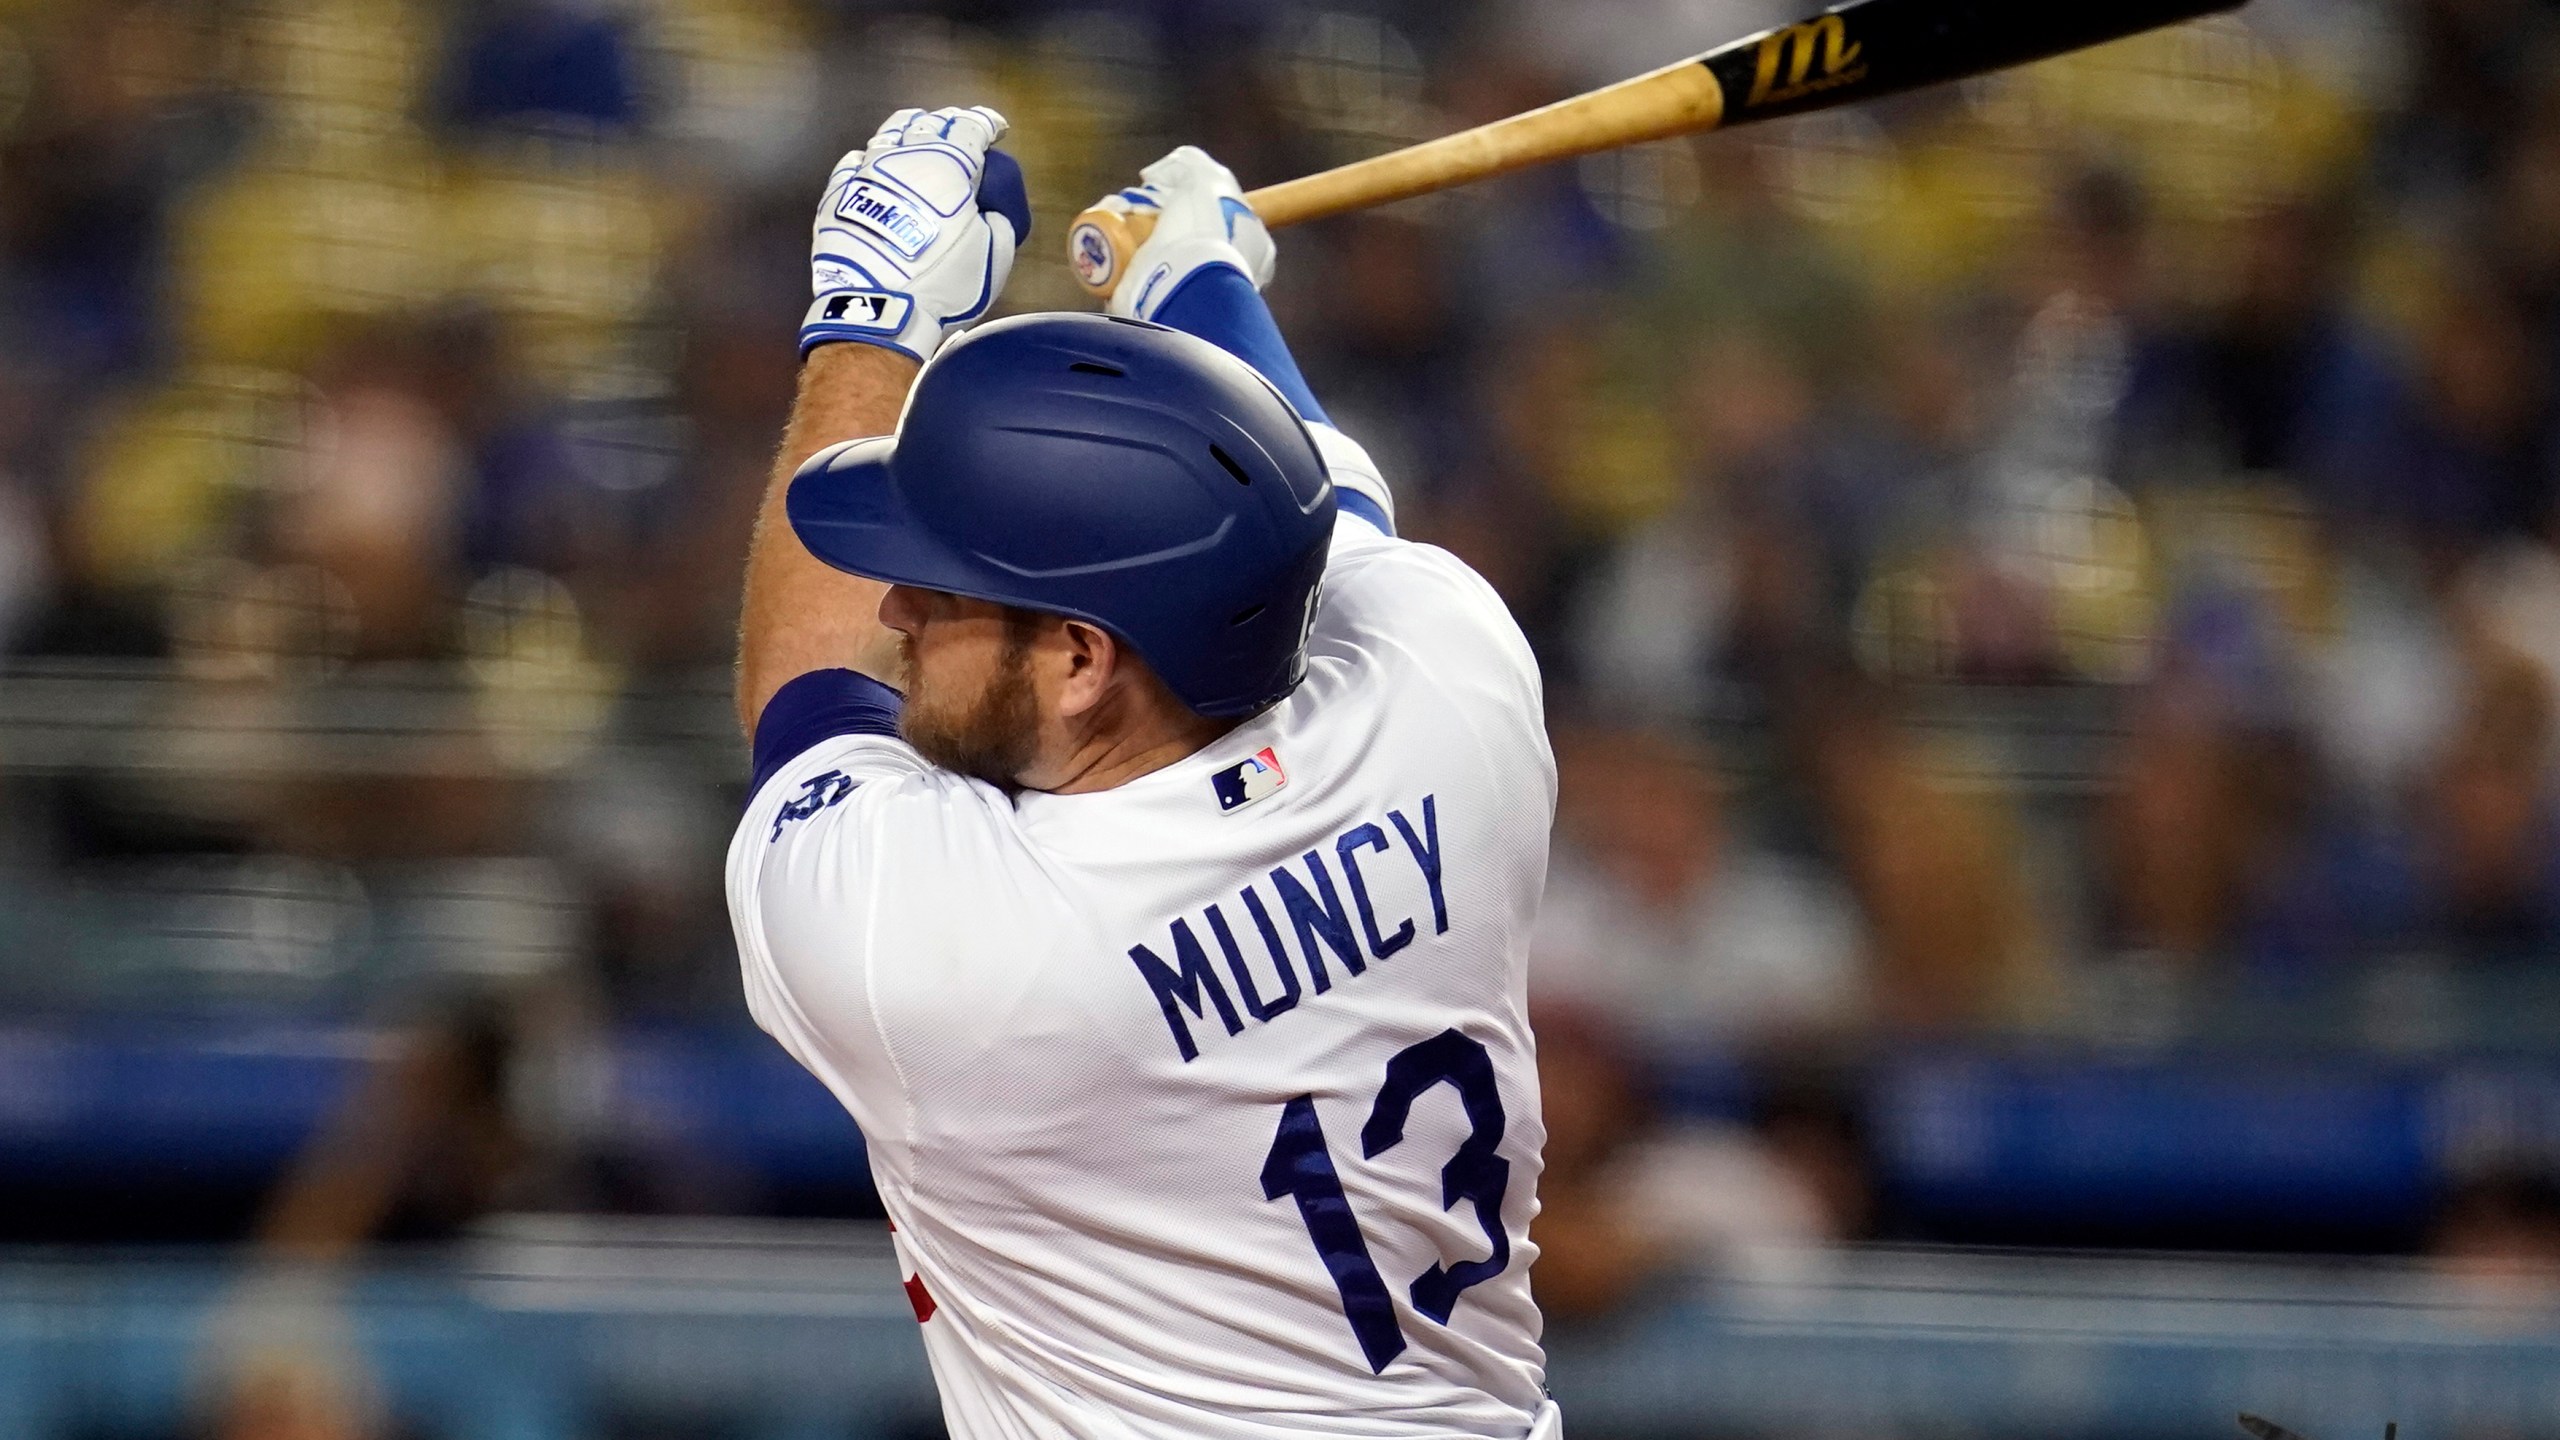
2201, 392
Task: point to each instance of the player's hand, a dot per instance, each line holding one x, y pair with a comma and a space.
916, 233
1200, 220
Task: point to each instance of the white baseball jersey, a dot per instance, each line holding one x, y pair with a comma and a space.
1204, 1108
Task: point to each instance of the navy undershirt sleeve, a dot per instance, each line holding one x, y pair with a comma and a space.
819, 706
1216, 303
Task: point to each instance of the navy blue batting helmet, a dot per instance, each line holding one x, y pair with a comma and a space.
1115, 471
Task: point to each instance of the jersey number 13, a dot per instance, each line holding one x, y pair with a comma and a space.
1300, 1166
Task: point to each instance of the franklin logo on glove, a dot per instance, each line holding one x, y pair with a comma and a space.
882, 214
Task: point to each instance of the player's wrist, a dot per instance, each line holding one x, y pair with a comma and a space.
1218, 303
889, 319
1162, 271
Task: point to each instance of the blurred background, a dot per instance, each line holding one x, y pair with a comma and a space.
2047, 586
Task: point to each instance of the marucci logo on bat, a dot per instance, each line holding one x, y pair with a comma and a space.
1795, 49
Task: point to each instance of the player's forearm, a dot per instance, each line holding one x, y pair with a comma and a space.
1220, 305
800, 614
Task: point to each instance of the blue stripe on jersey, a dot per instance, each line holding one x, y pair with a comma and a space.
1216, 303
815, 707
1355, 503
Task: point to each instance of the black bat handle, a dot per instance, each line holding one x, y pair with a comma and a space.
1868, 48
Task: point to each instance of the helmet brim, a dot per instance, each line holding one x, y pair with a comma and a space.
851, 513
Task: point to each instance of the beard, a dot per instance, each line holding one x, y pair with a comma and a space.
991, 736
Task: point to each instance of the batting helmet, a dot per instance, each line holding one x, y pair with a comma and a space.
1112, 470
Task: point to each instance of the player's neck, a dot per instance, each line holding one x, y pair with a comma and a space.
1113, 755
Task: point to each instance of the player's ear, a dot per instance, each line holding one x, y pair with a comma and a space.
1091, 658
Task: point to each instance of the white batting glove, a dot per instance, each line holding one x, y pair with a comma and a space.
1201, 219
916, 232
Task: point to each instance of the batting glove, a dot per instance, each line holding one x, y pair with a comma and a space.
1201, 220
916, 233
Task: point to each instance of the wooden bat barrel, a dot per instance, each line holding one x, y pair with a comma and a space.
1849, 53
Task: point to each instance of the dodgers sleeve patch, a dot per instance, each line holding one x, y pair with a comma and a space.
820, 705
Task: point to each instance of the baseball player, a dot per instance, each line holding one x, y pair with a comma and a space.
1144, 840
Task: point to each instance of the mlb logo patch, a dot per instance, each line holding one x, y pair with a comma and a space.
1241, 785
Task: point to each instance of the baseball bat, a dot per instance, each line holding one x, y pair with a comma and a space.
1847, 54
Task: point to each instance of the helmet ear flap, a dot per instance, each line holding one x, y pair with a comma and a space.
1278, 634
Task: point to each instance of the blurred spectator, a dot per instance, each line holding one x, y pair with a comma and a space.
25, 560
1676, 928
554, 61
1721, 581
1627, 1198
2479, 63
2276, 378
1938, 871
2227, 836
1387, 331
2508, 600
2176, 841
2232, 835
425, 1146
2490, 818
1898, 475
378, 503
2478, 459
2497, 1239
119, 115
